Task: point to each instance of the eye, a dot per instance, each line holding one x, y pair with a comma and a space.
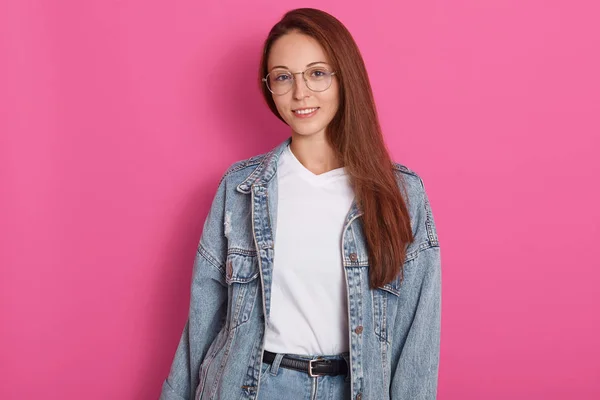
282, 77
318, 73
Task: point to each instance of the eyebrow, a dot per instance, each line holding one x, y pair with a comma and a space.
307, 65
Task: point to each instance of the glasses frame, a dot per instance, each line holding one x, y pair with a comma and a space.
266, 78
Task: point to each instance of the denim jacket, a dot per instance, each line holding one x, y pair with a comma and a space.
393, 330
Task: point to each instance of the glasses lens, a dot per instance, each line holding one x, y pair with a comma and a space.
279, 81
318, 78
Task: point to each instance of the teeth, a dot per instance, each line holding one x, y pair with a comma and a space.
306, 111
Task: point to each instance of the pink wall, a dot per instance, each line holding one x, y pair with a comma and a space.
118, 118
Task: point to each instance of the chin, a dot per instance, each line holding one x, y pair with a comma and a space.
307, 129
307, 132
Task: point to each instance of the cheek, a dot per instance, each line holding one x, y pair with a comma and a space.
331, 96
332, 101
281, 105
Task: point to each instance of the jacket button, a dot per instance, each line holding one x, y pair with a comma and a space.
353, 257
359, 329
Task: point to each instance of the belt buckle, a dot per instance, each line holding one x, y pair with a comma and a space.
310, 369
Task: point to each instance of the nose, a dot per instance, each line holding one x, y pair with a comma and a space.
300, 90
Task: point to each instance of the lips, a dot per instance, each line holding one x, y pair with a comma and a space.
305, 111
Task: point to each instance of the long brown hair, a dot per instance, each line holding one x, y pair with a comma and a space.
355, 135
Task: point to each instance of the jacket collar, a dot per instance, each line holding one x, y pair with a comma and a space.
266, 169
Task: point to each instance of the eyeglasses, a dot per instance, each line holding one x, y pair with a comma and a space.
280, 81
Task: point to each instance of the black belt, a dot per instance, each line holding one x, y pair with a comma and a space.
311, 367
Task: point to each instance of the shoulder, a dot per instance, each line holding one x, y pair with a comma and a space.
410, 183
413, 190
403, 170
239, 170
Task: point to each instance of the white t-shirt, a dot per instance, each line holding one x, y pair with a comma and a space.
309, 302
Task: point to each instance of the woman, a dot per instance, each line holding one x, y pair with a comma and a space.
318, 272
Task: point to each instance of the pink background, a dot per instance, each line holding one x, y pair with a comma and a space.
119, 117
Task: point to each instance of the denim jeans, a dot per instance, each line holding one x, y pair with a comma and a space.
277, 382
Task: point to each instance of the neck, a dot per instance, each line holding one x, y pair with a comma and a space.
315, 153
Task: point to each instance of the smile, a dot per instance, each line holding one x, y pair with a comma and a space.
305, 112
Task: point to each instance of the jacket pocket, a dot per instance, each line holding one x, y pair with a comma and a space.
385, 302
214, 348
386, 298
242, 278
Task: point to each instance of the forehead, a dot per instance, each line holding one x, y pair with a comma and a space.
295, 51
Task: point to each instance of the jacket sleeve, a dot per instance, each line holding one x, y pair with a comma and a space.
415, 372
208, 304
